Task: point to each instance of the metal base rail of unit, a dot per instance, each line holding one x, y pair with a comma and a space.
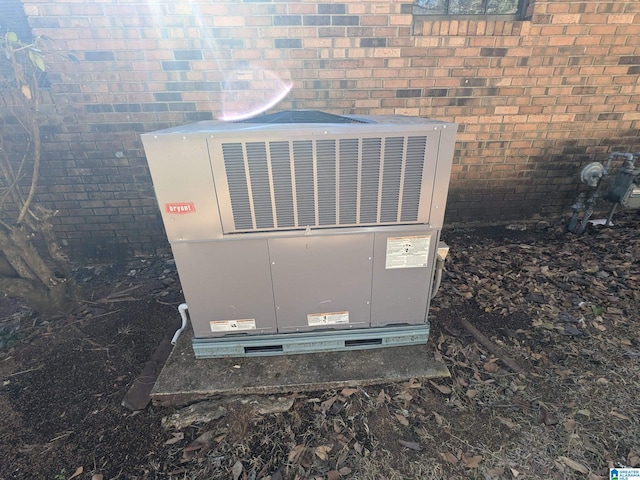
310, 342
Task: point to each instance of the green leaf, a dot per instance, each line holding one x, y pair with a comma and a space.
36, 59
597, 310
11, 37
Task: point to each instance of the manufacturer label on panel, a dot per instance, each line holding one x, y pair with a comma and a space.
233, 325
408, 252
333, 318
183, 207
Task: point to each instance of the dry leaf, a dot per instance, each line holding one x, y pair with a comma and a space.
338, 425
619, 415
547, 417
78, 472
347, 392
439, 418
412, 383
406, 396
514, 472
410, 445
507, 421
442, 388
471, 393
402, 419
570, 425
449, 457
327, 404
177, 436
342, 456
236, 470
344, 471
495, 472
490, 367
296, 453
98, 476
200, 442
26, 91
471, 462
382, 396
578, 467
333, 475
322, 452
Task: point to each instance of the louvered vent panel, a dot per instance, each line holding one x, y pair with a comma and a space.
391, 179
414, 162
370, 176
326, 171
324, 183
238, 191
348, 181
303, 164
282, 185
260, 187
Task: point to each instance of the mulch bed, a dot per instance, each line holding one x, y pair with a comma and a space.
564, 308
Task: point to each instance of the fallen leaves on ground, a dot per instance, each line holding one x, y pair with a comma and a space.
564, 307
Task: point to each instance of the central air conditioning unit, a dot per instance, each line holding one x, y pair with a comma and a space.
303, 231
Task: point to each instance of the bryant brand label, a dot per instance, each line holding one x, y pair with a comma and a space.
184, 207
333, 318
233, 325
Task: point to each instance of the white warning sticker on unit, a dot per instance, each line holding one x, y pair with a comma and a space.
333, 318
233, 325
408, 252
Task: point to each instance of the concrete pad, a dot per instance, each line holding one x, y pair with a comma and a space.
185, 380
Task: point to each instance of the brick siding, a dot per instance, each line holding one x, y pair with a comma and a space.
536, 99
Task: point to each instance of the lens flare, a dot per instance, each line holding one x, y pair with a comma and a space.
248, 88
251, 93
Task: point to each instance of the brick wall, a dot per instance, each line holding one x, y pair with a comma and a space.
535, 99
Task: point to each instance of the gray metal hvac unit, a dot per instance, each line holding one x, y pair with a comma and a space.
303, 231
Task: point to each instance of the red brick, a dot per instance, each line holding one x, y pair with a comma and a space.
603, 30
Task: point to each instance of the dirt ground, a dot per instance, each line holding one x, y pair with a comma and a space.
554, 395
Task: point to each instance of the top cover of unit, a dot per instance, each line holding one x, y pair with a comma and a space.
299, 170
